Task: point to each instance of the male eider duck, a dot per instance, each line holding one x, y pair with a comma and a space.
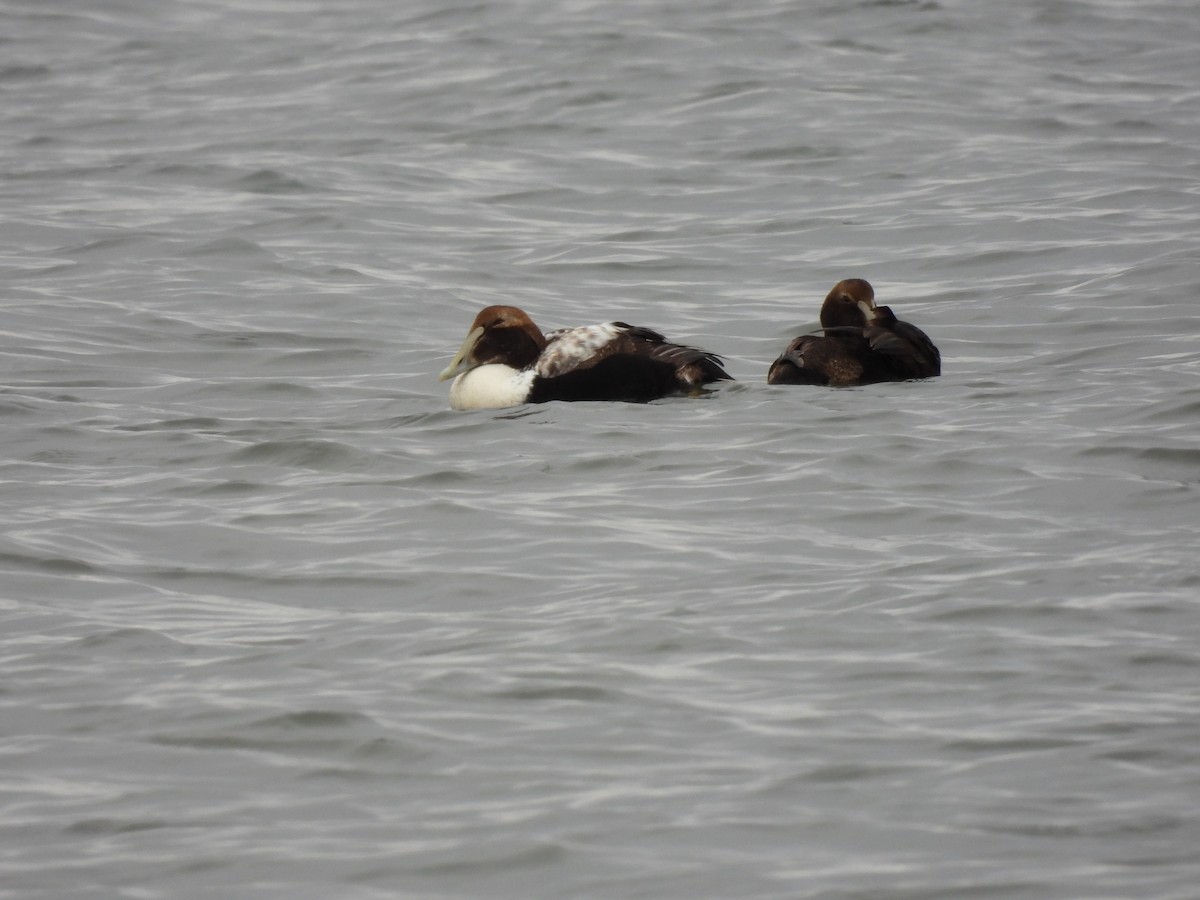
861, 343
506, 361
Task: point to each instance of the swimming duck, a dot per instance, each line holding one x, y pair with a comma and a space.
861, 343
506, 360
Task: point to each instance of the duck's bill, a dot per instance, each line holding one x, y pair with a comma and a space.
458, 363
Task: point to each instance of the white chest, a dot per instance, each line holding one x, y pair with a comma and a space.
493, 386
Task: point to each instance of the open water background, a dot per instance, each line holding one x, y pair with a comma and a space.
274, 622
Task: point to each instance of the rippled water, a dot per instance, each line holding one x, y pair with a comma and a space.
276, 622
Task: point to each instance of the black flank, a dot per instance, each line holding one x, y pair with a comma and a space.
624, 376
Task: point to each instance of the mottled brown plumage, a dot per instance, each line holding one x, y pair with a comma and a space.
859, 343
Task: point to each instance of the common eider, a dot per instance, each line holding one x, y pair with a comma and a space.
506, 360
859, 343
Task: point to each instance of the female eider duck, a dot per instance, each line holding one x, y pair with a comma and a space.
506, 361
861, 343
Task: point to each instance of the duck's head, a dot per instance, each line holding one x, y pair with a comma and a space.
499, 334
850, 303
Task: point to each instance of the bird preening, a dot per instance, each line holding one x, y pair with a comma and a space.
858, 343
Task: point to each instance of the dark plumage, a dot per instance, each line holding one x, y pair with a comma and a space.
859, 343
625, 377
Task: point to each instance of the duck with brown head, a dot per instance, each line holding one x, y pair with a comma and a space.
506, 360
859, 343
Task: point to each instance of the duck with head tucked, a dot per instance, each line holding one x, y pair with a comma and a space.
858, 343
506, 360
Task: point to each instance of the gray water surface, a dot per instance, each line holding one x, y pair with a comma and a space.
275, 622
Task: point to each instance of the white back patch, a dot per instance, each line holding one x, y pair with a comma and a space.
569, 348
